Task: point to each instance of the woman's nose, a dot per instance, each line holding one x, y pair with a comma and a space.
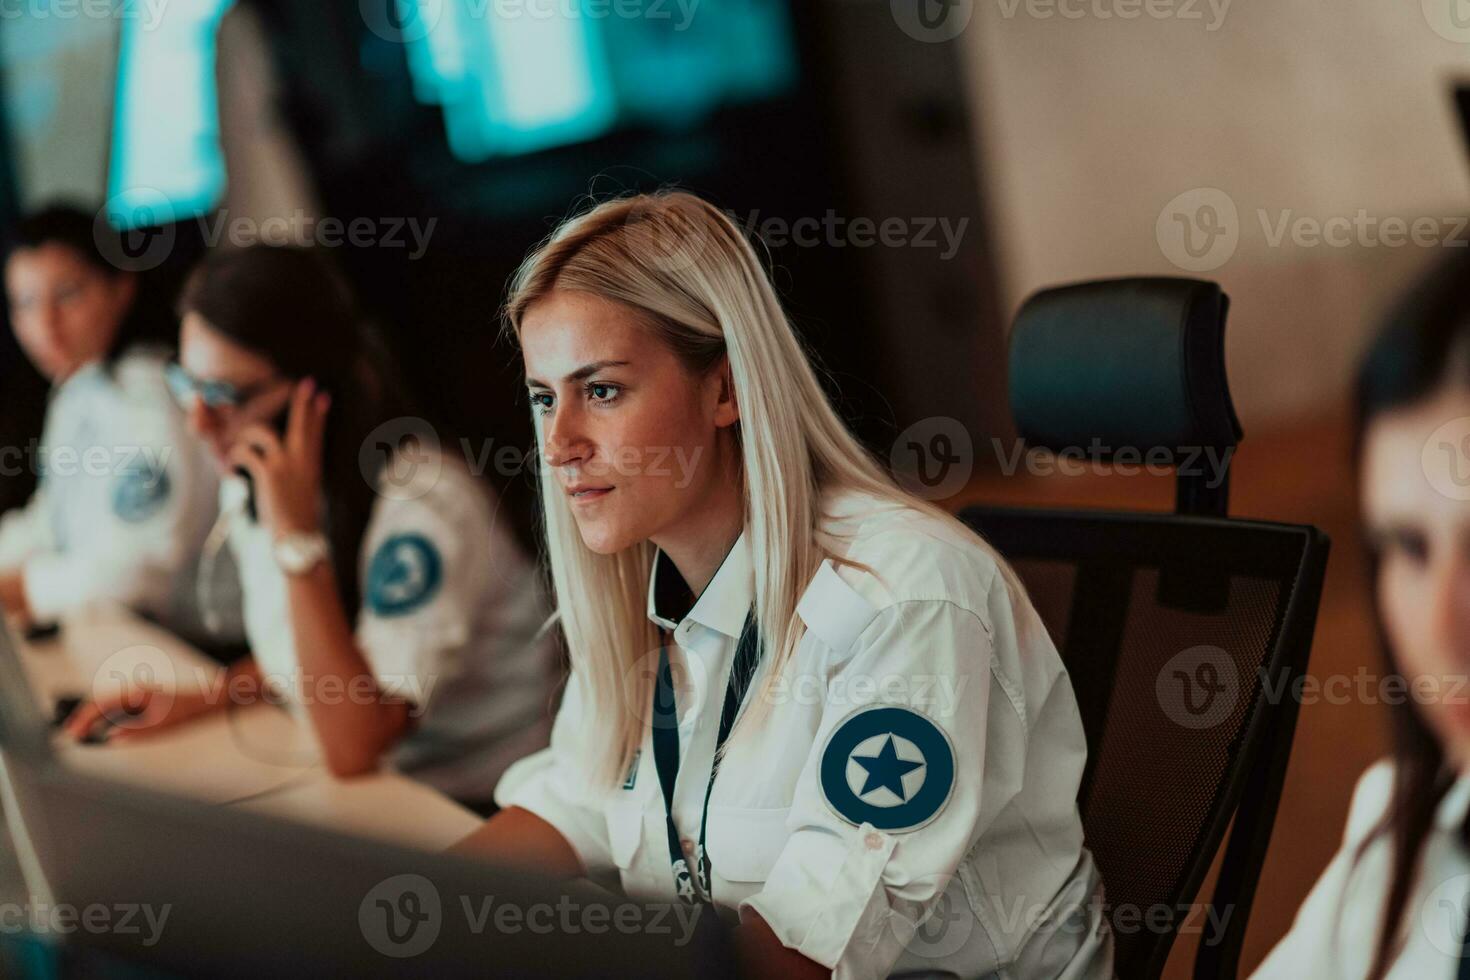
49, 320
562, 439
201, 420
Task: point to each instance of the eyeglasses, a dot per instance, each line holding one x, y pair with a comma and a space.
212, 393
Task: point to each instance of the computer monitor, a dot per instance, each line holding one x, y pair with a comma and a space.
210, 890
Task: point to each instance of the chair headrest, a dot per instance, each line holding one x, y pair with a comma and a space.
1097, 366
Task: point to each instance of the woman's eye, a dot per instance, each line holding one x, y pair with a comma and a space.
602, 392
540, 402
1412, 546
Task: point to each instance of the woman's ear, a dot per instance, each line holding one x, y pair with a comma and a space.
727, 407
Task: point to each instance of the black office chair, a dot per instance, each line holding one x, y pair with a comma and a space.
1182, 632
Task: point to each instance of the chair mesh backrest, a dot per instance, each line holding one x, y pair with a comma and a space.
1164, 722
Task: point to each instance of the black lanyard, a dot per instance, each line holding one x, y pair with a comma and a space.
666, 754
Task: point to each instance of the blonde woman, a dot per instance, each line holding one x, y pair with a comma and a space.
739, 581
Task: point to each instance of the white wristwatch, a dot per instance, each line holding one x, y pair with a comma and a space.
298, 553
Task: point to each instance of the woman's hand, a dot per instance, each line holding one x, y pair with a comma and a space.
288, 472
140, 711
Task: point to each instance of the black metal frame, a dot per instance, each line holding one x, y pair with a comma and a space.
1251, 791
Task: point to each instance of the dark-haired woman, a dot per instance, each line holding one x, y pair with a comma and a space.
1394, 901
126, 496
382, 597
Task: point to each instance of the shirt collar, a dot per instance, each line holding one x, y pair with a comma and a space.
724, 603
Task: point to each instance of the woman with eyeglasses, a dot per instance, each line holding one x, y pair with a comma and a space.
384, 597
796, 691
126, 495
1395, 900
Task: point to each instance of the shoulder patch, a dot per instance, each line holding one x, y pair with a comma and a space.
405, 573
140, 492
889, 766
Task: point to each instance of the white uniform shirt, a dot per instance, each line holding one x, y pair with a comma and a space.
1336, 930
920, 680
125, 499
450, 608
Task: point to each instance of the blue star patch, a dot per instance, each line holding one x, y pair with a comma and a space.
140, 492
887, 766
404, 574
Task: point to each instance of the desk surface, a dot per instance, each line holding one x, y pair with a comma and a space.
255, 756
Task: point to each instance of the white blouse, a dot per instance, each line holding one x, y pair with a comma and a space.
909, 801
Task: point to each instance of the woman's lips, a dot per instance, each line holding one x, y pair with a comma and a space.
587, 496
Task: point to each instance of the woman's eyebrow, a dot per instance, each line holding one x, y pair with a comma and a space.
585, 371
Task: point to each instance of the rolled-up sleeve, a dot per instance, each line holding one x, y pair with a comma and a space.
843, 892
554, 784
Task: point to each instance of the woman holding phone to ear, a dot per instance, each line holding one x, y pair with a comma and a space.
779, 605
380, 592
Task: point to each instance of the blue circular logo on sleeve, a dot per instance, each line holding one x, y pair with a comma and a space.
140, 493
404, 574
888, 766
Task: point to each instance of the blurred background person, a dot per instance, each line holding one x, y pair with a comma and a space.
126, 494
1394, 900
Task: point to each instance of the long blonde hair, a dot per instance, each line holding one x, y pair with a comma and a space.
690, 273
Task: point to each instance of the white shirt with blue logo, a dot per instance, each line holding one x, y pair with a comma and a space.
125, 499
907, 804
451, 606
